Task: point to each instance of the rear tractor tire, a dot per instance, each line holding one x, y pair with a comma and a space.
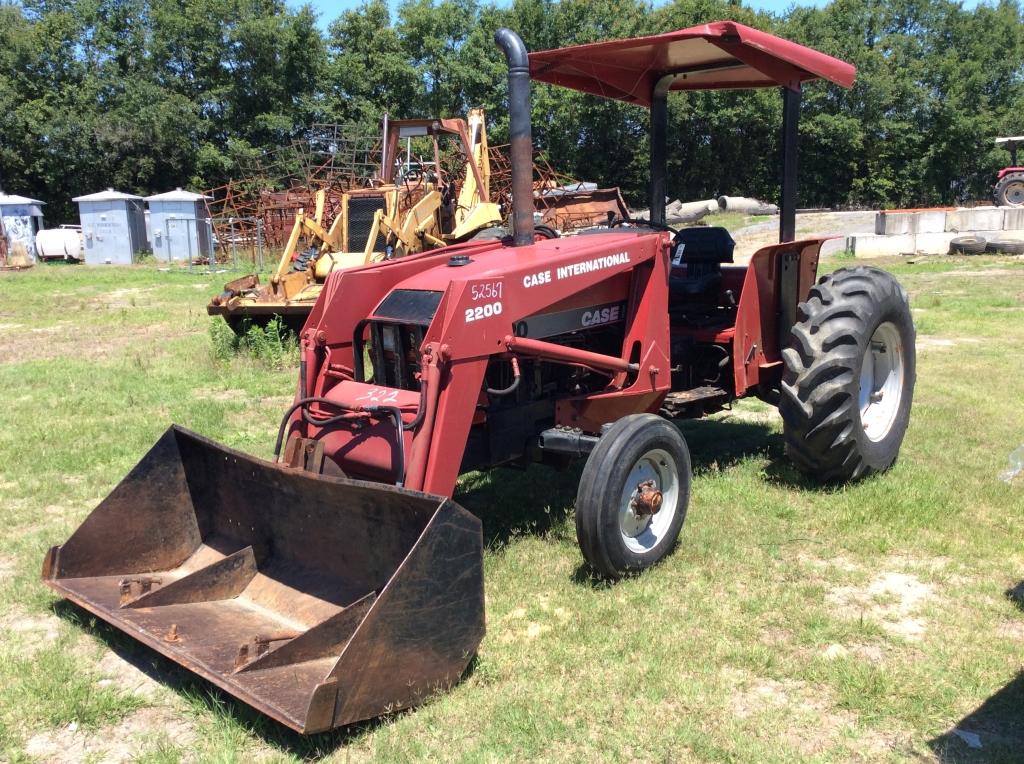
849, 377
633, 495
1009, 191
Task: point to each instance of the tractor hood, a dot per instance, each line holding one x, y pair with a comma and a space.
507, 261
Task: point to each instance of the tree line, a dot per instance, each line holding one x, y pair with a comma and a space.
146, 95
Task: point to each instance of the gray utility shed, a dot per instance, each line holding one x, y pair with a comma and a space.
22, 218
179, 225
113, 227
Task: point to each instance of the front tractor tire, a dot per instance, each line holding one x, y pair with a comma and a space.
633, 495
849, 376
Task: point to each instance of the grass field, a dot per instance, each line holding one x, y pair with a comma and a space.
793, 623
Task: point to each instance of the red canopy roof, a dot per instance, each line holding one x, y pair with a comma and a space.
719, 55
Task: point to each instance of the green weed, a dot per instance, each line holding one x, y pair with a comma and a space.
274, 344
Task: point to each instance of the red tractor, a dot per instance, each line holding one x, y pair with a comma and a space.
341, 580
1009, 190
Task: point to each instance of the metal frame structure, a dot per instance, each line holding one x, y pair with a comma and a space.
720, 55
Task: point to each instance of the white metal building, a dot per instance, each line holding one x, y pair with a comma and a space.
180, 226
22, 218
113, 227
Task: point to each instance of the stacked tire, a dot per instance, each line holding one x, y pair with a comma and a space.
1005, 247
967, 245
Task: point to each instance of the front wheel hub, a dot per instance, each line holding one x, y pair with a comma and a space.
649, 503
648, 498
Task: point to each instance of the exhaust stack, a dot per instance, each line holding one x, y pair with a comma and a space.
520, 137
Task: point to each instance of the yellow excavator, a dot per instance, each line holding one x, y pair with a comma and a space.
415, 207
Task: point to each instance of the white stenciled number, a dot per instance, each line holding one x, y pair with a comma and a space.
379, 395
489, 291
483, 311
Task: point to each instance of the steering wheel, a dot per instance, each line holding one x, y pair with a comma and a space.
544, 232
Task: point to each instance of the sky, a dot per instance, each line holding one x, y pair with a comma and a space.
331, 9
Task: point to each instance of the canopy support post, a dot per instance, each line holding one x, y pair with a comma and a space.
790, 132
659, 140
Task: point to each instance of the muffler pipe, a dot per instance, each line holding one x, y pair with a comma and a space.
520, 137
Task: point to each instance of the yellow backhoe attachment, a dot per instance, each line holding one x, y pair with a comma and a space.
394, 219
474, 210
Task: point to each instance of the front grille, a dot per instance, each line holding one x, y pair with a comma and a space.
360, 221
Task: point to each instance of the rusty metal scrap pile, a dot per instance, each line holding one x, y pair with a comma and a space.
259, 208
262, 203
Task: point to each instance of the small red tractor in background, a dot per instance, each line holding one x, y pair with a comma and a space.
1009, 190
341, 580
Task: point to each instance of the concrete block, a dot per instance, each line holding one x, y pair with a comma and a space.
933, 243
977, 219
930, 221
919, 221
890, 223
1013, 218
989, 235
867, 245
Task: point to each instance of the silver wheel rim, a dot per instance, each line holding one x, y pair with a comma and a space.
881, 381
1014, 193
643, 532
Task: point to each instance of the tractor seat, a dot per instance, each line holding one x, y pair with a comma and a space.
697, 261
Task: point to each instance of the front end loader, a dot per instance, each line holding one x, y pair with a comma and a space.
340, 581
406, 213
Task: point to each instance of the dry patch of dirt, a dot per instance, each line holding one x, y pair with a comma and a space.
943, 343
837, 562
979, 273
7, 567
35, 632
126, 676
223, 396
926, 564
534, 630
518, 628
813, 724
1012, 629
892, 599
869, 653
121, 742
120, 298
67, 340
277, 401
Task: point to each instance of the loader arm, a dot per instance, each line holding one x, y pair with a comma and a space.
481, 315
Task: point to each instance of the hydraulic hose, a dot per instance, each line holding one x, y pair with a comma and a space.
511, 388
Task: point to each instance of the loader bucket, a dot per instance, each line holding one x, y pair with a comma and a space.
319, 601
